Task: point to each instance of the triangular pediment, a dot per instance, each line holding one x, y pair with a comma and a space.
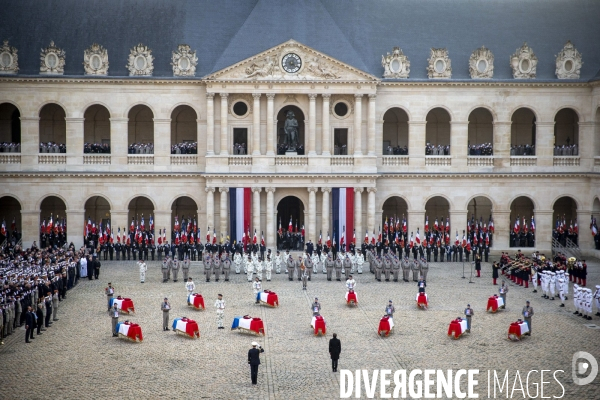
314, 66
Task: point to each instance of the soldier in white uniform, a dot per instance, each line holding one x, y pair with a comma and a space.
589, 298
576, 294
258, 267
268, 267
324, 262
220, 306
256, 288
360, 260
503, 291
350, 283
552, 285
315, 262
190, 286
237, 260
143, 268
561, 292
249, 266
534, 278
278, 262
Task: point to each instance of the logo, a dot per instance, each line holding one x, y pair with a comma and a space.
583, 363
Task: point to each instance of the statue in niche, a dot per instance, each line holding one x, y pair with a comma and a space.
290, 129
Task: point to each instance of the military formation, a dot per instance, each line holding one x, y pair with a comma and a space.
52, 147
141, 148
96, 148
185, 148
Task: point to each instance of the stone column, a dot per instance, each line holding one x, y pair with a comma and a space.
270, 125
544, 144
210, 124
74, 133
119, 139
416, 144
459, 141
75, 221
162, 141
162, 220
585, 238
224, 128
325, 213
371, 126
210, 208
256, 210
271, 213
415, 219
358, 226
30, 146
256, 125
312, 214
543, 230
586, 145
325, 134
30, 225
502, 229
223, 214
371, 209
358, 124
458, 222
502, 144
312, 124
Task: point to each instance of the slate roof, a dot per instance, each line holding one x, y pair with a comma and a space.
356, 32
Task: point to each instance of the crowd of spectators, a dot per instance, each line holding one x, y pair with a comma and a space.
484, 149
185, 148
10, 147
396, 151
98, 148
439, 150
566, 150
141, 148
52, 147
522, 150
239, 149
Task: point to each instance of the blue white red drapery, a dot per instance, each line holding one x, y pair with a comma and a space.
240, 206
343, 214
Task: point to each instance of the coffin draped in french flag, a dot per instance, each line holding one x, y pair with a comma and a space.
248, 324
240, 212
517, 329
196, 300
494, 303
422, 300
351, 297
318, 325
187, 327
267, 297
342, 211
457, 328
386, 325
124, 304
130, 331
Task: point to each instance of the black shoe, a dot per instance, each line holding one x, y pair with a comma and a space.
309, 279
562, 305
115, 335
176, 280
227, 280
387, 280
40, 333
299, 279
167, 329
583, 316
598, 314
552, 298
589, 318
339, 280
27, 342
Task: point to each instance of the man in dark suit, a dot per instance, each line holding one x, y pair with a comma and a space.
335, 348
29, 324
254, 361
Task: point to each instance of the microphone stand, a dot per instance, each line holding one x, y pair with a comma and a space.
471, 277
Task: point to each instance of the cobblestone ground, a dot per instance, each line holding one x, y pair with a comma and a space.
77, 358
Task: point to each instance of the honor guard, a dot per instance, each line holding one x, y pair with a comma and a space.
278, 262
165, 306
143, 268
226, 266
256, 288
185, 267
268, 267
237, 261
468, 314
316, 307
207, 266
220, 306
338, 269
290, 267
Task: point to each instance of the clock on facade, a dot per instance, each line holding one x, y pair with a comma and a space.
291, 63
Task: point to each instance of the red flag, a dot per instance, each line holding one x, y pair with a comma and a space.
119, 235
487, 239
404, 225
208, 235
426, 224
192, 241
131, 227
418, 238
302, 231
367, 237
447, 225
280, 229
290, 226
517, 226
411, 242
354, 237
177, 239
468, 245
328, 240
43, 227
159, 237
262, 238
435, 225
3, 228
320, 237
214, 238
254, 238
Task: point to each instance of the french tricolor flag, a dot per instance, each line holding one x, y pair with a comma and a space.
240, 206
342, 211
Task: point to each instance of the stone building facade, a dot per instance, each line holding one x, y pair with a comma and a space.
361, 129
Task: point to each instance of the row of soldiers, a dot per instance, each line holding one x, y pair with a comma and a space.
53, 239
396, 151
141, 148
566, 150
484, 149
10, 147
52, 147
36, 278
390, 264
439, 150
522, 150
185, 148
